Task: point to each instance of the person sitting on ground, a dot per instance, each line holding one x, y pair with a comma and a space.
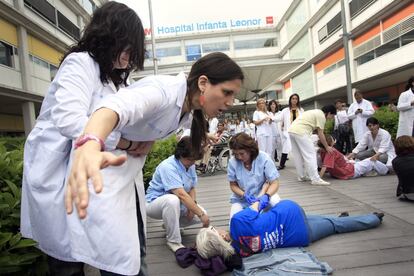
284, 225
375, 144
403, 166
340, 167
171, 195
252, 174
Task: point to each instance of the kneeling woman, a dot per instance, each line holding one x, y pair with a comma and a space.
252, 175
171, 194
285, 225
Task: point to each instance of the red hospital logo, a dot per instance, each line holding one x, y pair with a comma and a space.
269, 19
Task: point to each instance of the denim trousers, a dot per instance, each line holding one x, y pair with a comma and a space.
323, 226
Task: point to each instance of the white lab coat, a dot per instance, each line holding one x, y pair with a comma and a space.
276, 132
359, 121
108, 237
285, 119
72, 96
406, 118
382, 144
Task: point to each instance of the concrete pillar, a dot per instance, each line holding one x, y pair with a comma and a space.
29, 117
24, 60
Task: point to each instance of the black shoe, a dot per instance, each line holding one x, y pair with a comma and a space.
280, 167
379, 215
343, 214
277, 160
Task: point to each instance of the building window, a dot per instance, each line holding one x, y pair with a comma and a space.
6, 53
193, 52
357, 6
365, 57
216, 47
390, 46
407, 38
53, 72
252, 44
44, 8
66, 25
332, 26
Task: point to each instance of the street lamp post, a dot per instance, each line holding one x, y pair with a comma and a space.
154, 50
345, 39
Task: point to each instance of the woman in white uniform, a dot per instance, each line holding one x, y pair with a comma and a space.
263, 122
406, 108
274, 112
149, 109
112, 45
288, 115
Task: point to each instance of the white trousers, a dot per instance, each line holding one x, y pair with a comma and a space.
167, 208
237, 206
366, 165
265, 144
304, 155
276, 145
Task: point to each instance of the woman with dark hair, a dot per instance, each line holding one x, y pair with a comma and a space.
274, 112
403, 166
148, 110
112, 45
171, 195
288, 115
252, 175
406, 108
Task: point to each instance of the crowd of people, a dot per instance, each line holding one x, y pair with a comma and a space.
95, 130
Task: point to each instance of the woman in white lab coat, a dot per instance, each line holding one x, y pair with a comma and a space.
274, 112
149, 109
406, 108
262, 120
94, 68
288, 115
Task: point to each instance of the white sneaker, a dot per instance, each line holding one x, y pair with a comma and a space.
174, 246
320, 182
303, 179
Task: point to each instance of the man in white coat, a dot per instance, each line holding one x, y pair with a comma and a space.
406, 108
375, 144
359, 112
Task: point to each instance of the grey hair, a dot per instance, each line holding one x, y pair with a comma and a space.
210, 244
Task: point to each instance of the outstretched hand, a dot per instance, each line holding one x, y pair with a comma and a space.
87, 162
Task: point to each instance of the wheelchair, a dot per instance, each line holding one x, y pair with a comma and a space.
220, 156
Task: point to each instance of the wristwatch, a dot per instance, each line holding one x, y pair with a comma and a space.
88, 137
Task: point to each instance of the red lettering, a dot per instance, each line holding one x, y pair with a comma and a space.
147, 31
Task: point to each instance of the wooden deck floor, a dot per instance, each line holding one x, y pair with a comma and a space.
387, 250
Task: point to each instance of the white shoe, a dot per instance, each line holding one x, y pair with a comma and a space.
174, 246
320, 182
303, 179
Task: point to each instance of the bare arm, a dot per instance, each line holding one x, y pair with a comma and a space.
270, 188
322, 138
191, 205
322, 172
235, 188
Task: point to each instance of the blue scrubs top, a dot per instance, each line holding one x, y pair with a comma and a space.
282, 226
171, 174
251, 182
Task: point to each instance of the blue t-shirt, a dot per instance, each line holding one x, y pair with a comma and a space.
171, 174
251, 182
282, 226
